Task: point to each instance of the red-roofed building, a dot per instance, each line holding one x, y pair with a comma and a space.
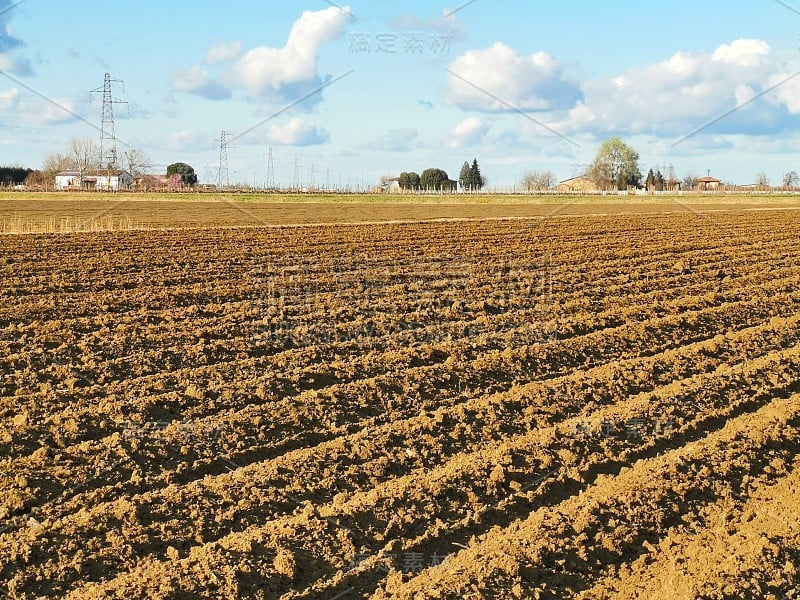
708, 184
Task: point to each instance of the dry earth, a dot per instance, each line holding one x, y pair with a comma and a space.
594, 407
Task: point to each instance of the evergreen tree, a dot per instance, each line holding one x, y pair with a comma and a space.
463, 177
184, 171
475, 179
659, 181
650, 182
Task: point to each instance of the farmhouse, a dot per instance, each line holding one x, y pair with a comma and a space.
577, 184
392, 185
450, 186
708, 184
101, 181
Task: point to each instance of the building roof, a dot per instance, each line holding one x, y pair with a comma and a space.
708, 180
579, 177
68, 174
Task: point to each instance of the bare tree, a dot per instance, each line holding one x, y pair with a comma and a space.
762, 180
672, 181
83, 152
689, 182
136, 162
54, 163
791, 180
538, 180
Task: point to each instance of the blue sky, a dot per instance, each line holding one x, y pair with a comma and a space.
373, 87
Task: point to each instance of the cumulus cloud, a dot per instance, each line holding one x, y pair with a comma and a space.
9, 99
223, 53
499, 79
297, 132
468, 133
743, 52
285, 73
35, 112
743, 88
18, 65
692, 90
187, 141
198, 81
264, 70
10, 60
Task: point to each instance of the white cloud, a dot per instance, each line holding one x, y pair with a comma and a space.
264, 71
297, 132
688, 91
286, 73
223, 53
468, 133
197, 80
719, 93
37, 113
498, 79
744, 52
187, 141
9, 99
10, 61
787, 90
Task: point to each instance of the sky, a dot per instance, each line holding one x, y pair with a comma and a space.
345, 93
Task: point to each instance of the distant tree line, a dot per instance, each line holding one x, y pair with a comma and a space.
431, 179
14, 175
437, 179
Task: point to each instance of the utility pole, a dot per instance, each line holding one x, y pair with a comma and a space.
108, 140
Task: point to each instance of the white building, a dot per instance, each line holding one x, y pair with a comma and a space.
110, 181
66, 180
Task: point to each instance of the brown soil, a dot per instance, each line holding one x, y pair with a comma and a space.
594, 407
23, 213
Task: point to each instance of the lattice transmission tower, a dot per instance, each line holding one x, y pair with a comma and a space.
271, 158
297, 169
223, 176
108, 139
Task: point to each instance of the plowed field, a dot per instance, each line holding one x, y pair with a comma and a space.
587, 406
